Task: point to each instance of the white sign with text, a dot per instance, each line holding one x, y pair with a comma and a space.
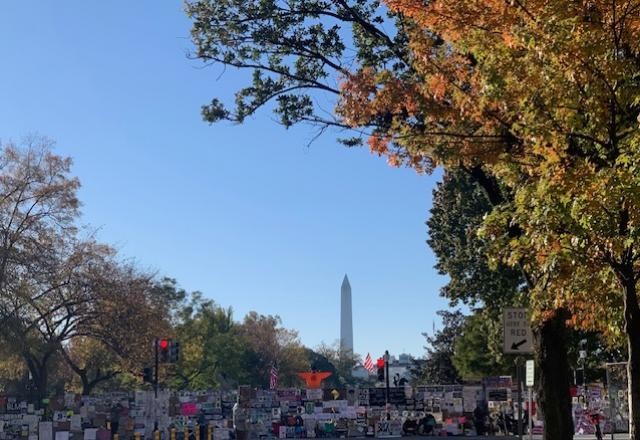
518, 338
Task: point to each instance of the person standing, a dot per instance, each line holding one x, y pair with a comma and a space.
115, 419
203, 425
480, 415
595, 420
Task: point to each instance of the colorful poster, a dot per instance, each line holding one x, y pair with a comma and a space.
189, 409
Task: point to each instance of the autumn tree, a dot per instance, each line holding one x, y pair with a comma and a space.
12, 372
543, 95
59, 307
38, 207
279, 40
91, 363
115, 335
272, 345
466, 85
60, 289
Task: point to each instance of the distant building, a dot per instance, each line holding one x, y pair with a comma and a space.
359, 372
398, 367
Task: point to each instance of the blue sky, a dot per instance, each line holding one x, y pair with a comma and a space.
249, 215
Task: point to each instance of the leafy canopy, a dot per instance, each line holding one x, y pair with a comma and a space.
296, 50
542, 95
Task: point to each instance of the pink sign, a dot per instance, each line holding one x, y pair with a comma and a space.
189, 409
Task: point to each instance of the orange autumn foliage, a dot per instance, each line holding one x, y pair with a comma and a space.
542, 94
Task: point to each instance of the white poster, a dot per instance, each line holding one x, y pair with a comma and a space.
314, 394
45, 431
76, 423
470, 397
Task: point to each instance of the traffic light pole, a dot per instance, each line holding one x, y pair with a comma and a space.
155, 370
386, 378
519, 379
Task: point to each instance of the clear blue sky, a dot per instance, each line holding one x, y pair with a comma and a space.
246, 214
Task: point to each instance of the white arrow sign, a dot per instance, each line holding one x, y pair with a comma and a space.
517, 331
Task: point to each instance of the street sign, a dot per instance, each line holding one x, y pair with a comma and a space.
529, 373
518, 338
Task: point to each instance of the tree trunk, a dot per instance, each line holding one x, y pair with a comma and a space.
554, 377
39, 378
89, 385
86, 386
632, 329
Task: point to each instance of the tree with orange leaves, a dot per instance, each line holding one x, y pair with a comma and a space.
544, 95
535, 99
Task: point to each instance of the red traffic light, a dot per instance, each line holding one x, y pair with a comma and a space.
380, 363
163, 344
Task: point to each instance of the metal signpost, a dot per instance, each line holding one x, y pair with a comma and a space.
518, 339
529, 381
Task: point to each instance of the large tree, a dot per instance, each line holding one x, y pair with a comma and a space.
213, 352
297, 52
460, 205
91, 363
543, 95
415, 87
60, 289
272, 345
123, 317
38, 262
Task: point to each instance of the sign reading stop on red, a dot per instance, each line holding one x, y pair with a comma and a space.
518, 338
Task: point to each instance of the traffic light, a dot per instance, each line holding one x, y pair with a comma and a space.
147, 375
168, 351
164, 346
380, 369
174, 352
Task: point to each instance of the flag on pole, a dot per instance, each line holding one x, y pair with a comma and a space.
273, 378
368, 363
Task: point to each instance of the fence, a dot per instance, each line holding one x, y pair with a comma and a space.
294, 413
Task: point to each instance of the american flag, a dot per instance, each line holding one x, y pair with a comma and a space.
368, 363
273, 378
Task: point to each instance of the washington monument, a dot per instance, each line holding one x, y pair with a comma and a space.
346, 322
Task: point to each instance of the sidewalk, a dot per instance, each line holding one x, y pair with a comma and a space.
621, 436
